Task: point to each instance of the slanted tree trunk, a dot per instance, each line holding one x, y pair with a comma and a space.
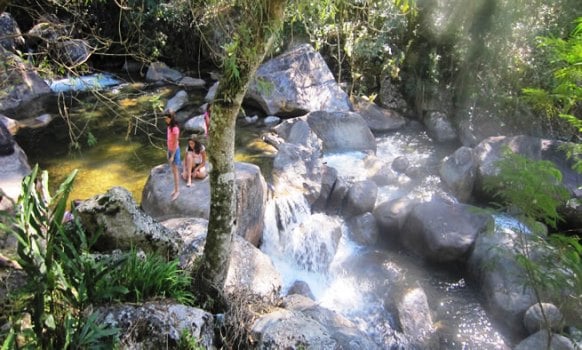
260, 21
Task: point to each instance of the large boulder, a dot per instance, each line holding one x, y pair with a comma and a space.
493, 265
158, 325
121, 224
195, 201
443, 232
338, 131
297, 82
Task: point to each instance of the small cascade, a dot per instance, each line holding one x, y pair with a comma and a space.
292, 234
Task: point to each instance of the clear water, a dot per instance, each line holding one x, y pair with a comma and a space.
129, 135
343, 276
360, 282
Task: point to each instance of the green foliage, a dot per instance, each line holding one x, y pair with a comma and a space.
57, 290
188, 342
533, 188
552, 264
149, 277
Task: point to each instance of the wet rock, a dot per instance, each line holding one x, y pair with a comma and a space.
443, 232
415, 318
400, 164
494, 267
361, 198
301, 288
344, 332
298, 166
285, 329
250, 269
364, 229
342, 131
391, 215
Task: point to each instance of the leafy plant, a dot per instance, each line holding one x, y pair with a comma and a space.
149, 277
188, 342
533, 189
52, 256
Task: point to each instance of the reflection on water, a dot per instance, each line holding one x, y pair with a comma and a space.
127, 133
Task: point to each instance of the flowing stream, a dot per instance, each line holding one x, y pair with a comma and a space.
361, 282
358, 282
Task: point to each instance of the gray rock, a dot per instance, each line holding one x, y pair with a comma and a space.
342, 131
159, 71
360, 198
534, 320
21, 84
539, 340
72, 52
458, 171
364, 229
123, 225
195, 201
400, 164
176, 102
391, 215
285, 329
500, 278
415, 318
379, 119
297, 82
157, 325
13, 169
344, 332
439, 126
443, 232
10, 33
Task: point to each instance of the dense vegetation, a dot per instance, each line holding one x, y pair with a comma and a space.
517, 62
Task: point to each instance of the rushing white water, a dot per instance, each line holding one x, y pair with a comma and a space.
359, 282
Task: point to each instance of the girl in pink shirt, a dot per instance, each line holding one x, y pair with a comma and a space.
173, 139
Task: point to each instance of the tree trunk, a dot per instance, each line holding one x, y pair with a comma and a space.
253, 37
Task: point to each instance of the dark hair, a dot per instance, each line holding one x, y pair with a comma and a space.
197, 147
172, 116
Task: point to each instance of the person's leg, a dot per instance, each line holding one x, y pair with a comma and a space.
176, 192
175, 172
187, 175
